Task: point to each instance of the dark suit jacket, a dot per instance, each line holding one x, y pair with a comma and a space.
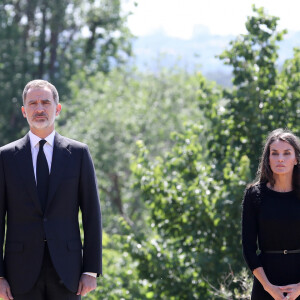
72, 186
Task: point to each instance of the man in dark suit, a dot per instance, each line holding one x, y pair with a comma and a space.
45, 179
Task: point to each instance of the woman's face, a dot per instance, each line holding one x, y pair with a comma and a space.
282, 158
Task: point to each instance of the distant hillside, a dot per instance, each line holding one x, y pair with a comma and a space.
198, 53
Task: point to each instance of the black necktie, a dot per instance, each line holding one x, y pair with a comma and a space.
42, 175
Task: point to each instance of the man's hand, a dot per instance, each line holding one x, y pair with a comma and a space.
5, 292
87, 283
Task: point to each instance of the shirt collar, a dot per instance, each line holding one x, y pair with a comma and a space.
34, 139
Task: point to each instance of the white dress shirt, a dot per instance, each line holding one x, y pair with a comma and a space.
48, 150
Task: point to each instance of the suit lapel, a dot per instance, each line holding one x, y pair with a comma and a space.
24, 162
59, 160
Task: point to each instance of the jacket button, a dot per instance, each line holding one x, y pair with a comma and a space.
45, 220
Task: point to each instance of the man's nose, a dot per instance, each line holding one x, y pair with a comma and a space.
40, 106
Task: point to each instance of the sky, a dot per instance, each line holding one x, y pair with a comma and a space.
179, 18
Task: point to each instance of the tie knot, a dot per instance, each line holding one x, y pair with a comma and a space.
42, 143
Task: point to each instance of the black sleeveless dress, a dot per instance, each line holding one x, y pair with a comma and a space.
271, 221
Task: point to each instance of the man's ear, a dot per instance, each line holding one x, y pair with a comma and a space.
58, 109
23, 111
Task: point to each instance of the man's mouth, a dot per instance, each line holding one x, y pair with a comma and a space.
40, 117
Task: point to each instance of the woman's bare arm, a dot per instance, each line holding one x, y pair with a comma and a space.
275, 291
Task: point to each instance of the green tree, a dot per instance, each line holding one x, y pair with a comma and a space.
111, 112
190, 214
195, 239
255, 105
120, 278
53, 40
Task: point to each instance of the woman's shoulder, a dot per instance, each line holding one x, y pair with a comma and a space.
255, 188
254, 192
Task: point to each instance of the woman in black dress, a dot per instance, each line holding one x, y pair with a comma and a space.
271, 220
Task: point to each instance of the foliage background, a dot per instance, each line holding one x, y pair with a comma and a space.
173, 151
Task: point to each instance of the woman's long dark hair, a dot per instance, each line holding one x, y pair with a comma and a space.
264, 172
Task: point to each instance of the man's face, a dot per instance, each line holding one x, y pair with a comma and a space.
40, 109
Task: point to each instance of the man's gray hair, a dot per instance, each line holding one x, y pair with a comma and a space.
39, 83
